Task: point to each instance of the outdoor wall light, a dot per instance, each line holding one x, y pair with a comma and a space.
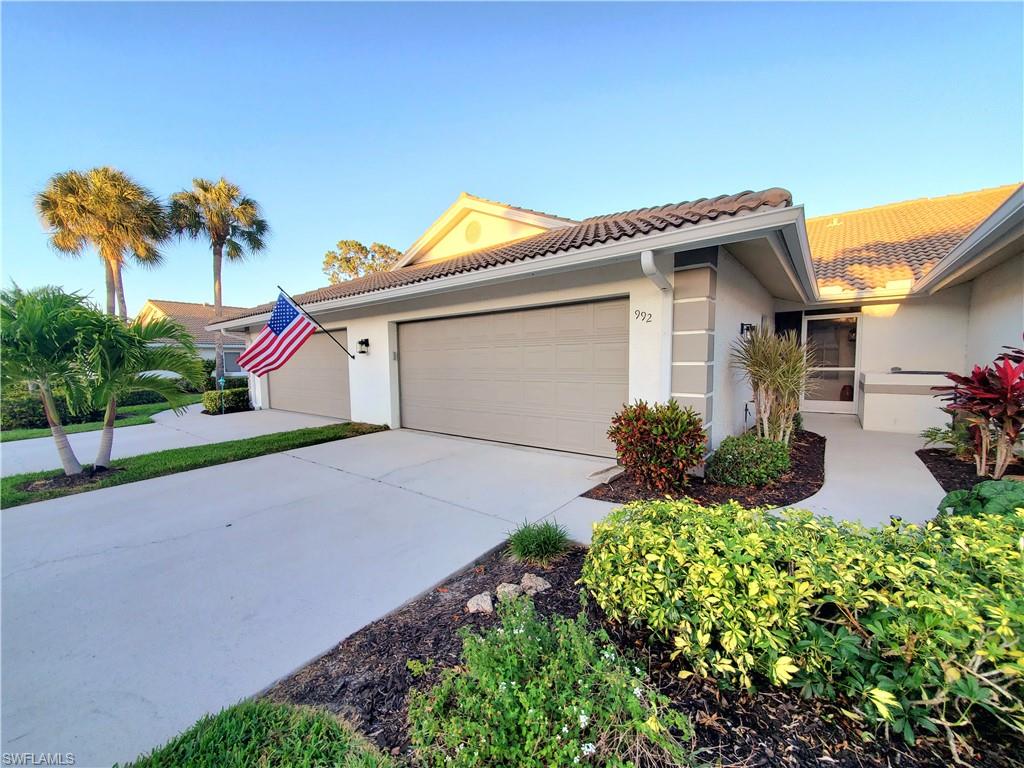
746, 328
364, 346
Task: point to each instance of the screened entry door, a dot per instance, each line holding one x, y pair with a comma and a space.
834, 381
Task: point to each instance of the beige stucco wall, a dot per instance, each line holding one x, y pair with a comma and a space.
927, 334
996, 311
740, 299
477, 230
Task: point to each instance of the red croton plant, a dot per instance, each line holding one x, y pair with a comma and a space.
990, 401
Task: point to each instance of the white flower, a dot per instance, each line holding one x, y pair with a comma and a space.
502, 686
588, 749
638, 692
584, 719
565, 729
638, 672
576, 759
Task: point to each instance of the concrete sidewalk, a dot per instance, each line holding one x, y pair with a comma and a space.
167, 431
870, 476
130, 612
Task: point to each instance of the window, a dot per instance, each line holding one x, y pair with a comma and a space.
231, 367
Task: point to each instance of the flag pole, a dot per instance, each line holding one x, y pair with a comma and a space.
296, 305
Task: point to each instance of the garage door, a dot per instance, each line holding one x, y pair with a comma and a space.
549, 377
315, 380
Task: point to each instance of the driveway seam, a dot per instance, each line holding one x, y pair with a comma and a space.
381, 481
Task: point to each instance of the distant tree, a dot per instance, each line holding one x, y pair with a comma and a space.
352, 259
108, 210
234, 225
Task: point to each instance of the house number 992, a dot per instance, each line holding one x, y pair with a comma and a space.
643, 317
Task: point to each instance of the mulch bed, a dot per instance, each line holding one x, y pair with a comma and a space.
807, 458
87, 477
953, 474
365, 679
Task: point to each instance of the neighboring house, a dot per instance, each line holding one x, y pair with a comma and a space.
514, 325
195, 318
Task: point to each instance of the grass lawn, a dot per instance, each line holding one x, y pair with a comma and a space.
268, 735
149, 465
139, 414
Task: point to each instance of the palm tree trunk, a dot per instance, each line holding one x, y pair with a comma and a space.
218, 312
68, 459
122, 308
107, 437
110, 286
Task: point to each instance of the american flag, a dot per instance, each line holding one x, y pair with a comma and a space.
286, 331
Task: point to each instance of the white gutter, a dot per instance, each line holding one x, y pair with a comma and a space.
651, 270
747, 226
1001, 227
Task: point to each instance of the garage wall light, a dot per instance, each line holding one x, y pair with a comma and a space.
364, 346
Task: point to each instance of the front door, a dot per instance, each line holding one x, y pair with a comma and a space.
834, 381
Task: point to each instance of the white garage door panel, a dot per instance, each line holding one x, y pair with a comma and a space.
315, 380
550, 377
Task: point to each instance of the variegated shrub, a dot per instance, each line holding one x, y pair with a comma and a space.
917, 627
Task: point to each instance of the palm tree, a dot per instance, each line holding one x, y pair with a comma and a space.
121, 358
233, 224
106, 209
40, 334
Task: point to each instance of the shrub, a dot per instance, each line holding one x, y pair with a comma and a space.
266, 734
778, 369
990, 401
538, 543
21, 409
917, 627
659, 443
955, 435
748, 460
991, 497
534, 694
233, 400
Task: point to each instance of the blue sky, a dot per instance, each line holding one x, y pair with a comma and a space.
365, 121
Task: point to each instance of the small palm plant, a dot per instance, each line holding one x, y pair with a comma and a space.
778, 369
108, 210
40, 334
232, 222
119, 359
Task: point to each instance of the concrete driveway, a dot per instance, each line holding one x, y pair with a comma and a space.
131, 611
167, 431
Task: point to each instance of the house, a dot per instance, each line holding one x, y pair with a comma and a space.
514, 325
195, 318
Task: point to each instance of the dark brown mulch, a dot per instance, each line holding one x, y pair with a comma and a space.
807, 458
365, 679
954, 474
88, 477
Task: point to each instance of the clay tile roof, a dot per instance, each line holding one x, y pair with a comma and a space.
897, 243
195, 318
591, 231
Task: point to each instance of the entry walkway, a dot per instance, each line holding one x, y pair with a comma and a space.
871, 476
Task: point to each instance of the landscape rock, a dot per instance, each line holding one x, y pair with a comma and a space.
507, 591
532, 584
480, 603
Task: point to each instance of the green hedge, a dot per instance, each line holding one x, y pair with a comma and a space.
920, 627
233, 400
748, 460
21, 409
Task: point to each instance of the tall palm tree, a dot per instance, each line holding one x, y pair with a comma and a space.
40, 333
233, 224
120, 358
108, 210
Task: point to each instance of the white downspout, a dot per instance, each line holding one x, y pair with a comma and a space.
651, 270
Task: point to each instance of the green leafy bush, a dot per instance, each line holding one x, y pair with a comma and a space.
233, 400
917, 626
21, 409
266, 734
748, 460
658, 444
534, 694
538, 543
990, 497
